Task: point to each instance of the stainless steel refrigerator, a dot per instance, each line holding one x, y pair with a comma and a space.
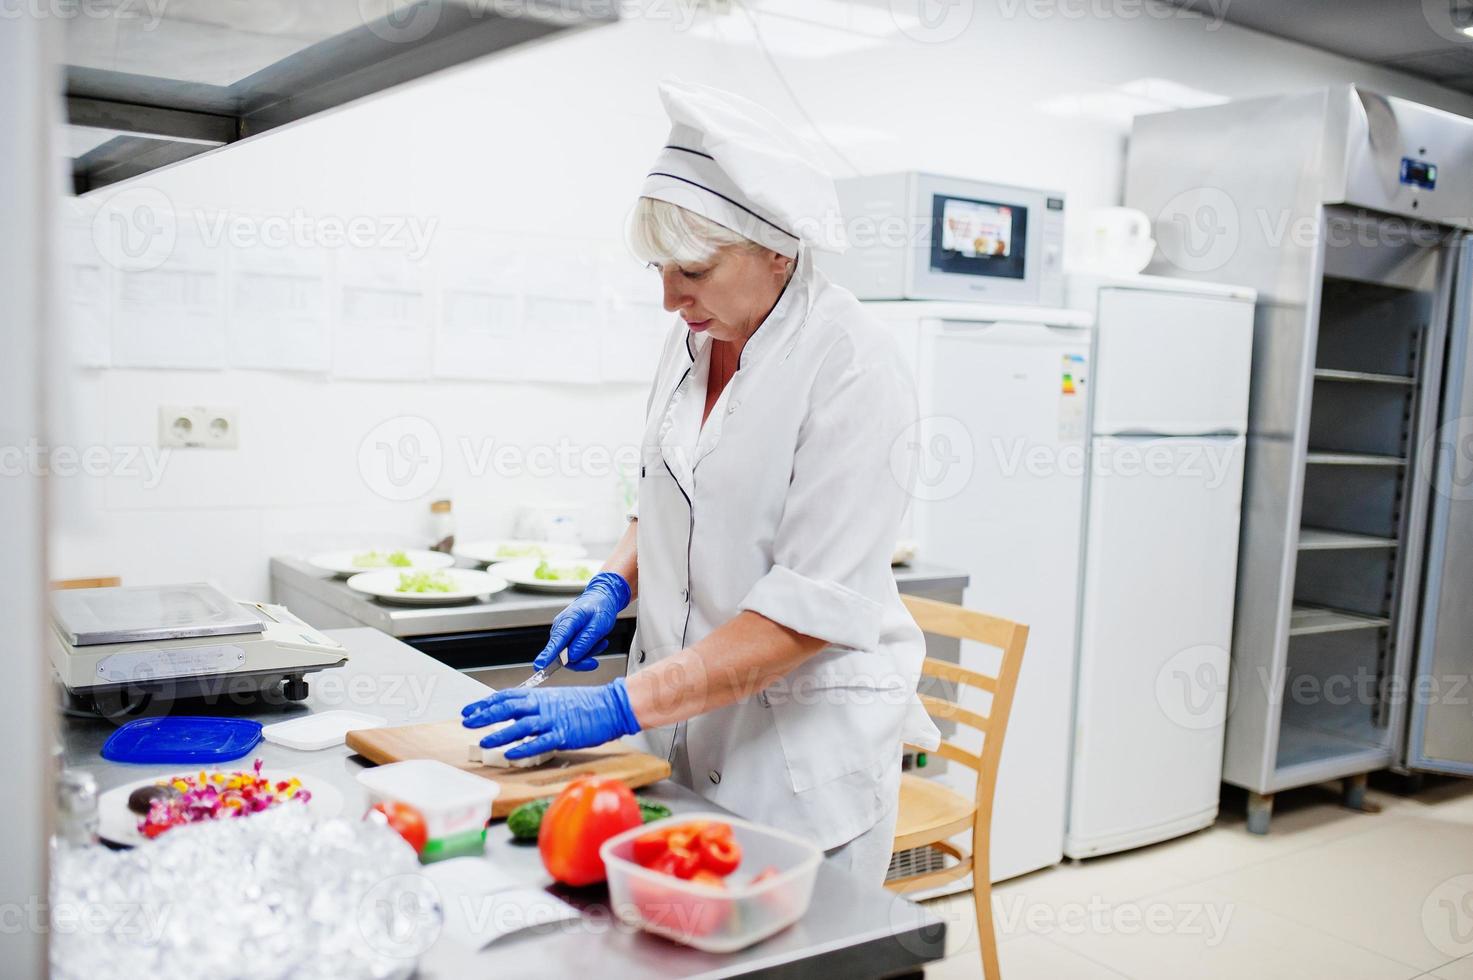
1349, 212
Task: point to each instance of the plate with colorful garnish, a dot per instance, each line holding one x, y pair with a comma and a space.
146, 809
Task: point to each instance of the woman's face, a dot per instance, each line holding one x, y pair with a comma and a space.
729, 295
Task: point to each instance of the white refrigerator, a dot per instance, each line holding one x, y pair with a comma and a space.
1170, 404
1003, 393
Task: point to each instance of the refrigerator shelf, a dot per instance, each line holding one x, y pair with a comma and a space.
1306, 620
1369, 377
1324, 539
1306, 755
1353, 459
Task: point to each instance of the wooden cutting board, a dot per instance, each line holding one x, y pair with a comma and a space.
448, 741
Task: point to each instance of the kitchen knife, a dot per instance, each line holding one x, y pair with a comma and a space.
541, 675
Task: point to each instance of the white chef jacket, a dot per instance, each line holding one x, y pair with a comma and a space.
786, 503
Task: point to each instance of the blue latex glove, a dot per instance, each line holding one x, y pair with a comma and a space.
584, 622
554, 717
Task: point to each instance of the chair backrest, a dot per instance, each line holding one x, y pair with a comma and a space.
945, 619
88, 583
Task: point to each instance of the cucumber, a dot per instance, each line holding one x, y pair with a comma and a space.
526, 820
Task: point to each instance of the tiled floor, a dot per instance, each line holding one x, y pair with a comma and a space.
1329, 893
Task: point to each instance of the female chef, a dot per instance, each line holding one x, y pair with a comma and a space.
773, 663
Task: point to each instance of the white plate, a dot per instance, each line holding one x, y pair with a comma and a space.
520, 574
469, 585
341, 562
119, 825
509, 549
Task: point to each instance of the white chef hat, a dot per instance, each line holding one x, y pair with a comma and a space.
730, 160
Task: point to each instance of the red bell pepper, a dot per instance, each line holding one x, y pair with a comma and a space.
586, 813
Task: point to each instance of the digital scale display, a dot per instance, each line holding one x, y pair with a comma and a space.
1418, 173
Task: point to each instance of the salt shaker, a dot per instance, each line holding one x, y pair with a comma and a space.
76, 808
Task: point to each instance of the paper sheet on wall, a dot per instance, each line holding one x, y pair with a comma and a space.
629, 348
278, 308
383, 328
562, 268
168, 308
471, 257
564, 311
628, 280
479, 307
85, 284
560, 341
478, 336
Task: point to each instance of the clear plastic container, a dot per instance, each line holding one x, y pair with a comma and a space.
455, 804
717, 920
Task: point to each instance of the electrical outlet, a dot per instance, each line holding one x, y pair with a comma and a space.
198, 427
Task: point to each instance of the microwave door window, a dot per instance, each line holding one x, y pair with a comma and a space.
978, 238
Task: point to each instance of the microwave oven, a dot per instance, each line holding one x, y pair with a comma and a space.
927, 237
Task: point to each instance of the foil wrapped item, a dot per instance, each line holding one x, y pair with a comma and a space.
280, 894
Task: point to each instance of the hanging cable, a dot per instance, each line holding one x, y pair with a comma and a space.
793, 96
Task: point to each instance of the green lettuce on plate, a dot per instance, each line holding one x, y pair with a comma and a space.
425, 582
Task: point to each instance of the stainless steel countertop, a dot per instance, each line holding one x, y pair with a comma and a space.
851, 928
293, 579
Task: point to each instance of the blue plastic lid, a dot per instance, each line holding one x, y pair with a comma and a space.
171, 739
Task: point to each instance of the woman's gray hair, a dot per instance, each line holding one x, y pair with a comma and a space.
663, 233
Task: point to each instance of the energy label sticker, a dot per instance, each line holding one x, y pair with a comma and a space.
1072, 400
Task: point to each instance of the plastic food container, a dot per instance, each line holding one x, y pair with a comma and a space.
176, 739
455, 804
311, 733
717, 920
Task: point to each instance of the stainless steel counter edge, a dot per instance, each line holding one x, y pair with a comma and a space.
295, 579
851, 929
326, 602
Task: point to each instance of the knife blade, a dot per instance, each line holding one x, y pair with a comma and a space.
541, 675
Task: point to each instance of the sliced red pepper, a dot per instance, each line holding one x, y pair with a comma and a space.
677, 861
685, 834
715, 831
680, 838
720, 855
649, 847
704, 877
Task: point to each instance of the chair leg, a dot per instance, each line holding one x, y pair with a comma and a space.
986, 936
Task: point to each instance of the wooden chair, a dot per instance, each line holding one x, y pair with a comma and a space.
930, 814
87, 583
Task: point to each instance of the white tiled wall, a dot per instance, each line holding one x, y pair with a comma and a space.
547, 147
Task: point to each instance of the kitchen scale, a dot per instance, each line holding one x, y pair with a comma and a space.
115, 650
